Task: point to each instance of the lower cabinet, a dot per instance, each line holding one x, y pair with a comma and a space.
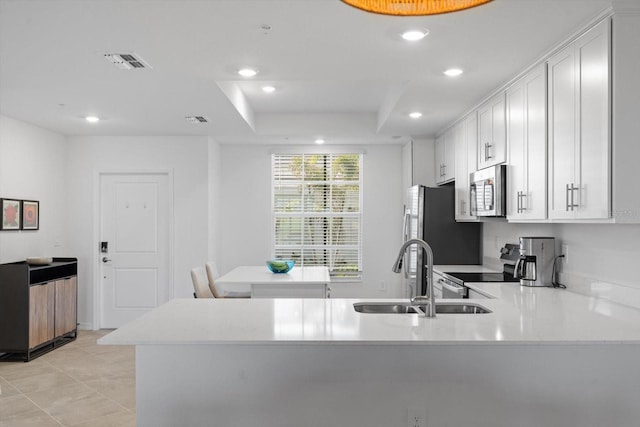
38, 307
66, 295
41, 314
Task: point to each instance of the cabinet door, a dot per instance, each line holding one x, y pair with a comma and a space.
492, 131
517, 168
451, 139
66, 306
562, 132
592, 60
439, 159
579, 128
461, 175
485, 135
526, 118
41, 314
465, 162
498, 149
534, 201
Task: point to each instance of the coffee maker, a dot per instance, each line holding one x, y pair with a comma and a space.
535, 265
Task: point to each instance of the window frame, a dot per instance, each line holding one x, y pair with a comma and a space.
336, 275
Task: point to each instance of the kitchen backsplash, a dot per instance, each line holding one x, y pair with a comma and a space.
602, 258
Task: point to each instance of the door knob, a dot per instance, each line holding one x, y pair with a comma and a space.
105, 259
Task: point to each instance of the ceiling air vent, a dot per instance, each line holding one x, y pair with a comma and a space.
126, 61
197, 119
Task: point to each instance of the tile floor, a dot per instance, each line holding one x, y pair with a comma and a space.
80, 384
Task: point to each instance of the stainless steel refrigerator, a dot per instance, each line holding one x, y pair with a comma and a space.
430, 216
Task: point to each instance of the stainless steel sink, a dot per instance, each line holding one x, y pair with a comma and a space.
407, 308
385, 307
461, 309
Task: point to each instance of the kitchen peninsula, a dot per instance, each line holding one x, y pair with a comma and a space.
542, 357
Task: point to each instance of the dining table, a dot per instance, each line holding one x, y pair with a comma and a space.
299, 282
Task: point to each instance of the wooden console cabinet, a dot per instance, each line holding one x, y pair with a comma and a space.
38, 307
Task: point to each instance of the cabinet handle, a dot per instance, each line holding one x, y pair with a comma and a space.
518, 203
488, 156
521, 201
444, 169
570, 189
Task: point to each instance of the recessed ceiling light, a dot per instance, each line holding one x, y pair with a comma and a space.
415, 115
247, 72
319, 141
92, 119
414, 35
453, 72
268, 89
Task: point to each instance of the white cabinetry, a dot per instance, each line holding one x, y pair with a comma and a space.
492, 147
527, 147
445, 156
465, 163
579, 123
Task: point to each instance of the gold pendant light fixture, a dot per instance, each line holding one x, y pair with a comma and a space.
414, 7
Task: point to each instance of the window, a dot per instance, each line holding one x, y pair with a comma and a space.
317, 211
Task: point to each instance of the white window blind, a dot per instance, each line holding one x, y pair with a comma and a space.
317, 211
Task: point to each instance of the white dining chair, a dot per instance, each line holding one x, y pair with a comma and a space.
200, 283
212, 275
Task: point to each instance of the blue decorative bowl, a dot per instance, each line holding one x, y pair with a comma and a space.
280, 265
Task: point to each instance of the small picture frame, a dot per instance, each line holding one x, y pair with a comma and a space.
11, 214
30, 215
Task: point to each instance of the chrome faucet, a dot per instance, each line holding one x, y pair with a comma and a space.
428, 298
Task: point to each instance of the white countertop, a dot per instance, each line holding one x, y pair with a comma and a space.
520, 315
260, 275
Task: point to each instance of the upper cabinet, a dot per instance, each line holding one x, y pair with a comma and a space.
569, 134
465, 163
527, 147
445, 156
492, 147
579, 127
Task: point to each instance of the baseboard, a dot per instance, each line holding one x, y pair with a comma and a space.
85, 326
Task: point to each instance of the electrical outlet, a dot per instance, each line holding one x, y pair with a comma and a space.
416, 417
565, 252
383, 285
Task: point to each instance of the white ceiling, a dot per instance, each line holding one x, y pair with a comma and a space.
340, 73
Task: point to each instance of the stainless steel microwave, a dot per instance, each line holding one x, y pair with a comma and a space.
489, 191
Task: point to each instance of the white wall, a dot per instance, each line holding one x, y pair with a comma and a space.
246, 213
32, 167
598, 253
186, 156
215, 210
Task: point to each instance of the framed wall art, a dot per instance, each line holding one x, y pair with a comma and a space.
11, 214
30, 215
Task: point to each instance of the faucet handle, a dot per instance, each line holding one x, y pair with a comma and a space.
420, 300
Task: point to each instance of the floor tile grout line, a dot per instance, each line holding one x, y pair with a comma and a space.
121, 408
43, 410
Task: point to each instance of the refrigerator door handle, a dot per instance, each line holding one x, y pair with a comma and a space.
405, 237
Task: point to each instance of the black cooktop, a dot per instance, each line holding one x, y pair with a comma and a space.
481, 277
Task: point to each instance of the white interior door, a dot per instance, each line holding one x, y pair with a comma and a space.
134, 221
